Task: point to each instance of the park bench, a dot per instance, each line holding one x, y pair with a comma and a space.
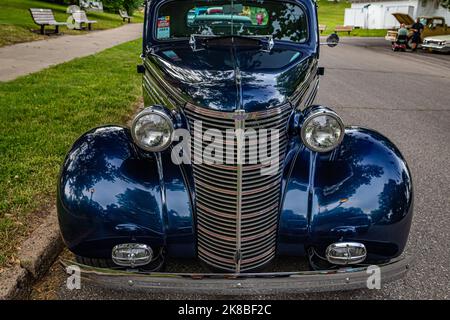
343, 29
44, 17
124, 15
322, 28
81, 18
90, 5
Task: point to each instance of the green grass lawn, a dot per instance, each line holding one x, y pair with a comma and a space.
16, 22
332, 14
42, 114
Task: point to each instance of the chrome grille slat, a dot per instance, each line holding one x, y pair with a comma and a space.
260, 244
214, 263
211, 219
257, 184
215, 235
251, 198
209, 173
224, 206
227, 185
216, 172
201, 171
217, 242
212, 243
222, 228
223, 221
251, 179
225, 217
256, 264
217, 247
222, 197
249, 231
261, 208
192, 116
216, 257
257, 256
255, 226
257, 177
225, 202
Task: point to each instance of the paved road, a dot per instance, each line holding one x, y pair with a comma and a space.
406, 97
25, 58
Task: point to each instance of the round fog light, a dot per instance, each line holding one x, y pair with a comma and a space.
344, 253
132, 254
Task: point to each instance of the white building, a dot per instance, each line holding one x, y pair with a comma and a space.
377, 14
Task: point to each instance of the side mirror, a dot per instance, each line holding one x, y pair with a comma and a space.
333, 40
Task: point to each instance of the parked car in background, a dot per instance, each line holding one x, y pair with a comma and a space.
340, 196
437, 43
433, 26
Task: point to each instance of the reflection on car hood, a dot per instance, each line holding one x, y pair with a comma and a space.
222, 80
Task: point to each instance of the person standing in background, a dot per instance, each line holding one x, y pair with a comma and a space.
417, 28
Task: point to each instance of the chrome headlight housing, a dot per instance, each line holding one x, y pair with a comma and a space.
152, 129
322, 129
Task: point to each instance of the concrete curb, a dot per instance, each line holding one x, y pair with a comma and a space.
15, 283
36, 255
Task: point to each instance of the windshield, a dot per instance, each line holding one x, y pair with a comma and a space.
179, 19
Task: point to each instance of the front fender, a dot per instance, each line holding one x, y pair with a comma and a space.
362, 191
109, 192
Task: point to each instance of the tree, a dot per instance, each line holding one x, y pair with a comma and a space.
445, 3
131, 5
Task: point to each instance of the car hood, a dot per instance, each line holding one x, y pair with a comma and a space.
226, 80
404, 18
445, 37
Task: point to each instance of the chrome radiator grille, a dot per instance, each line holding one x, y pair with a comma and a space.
237, 207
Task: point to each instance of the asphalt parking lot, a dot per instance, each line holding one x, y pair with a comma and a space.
405, 96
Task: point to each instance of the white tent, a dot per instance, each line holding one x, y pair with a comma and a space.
378, 14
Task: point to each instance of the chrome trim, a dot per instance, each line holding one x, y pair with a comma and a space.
132, 261
315, 114
236, 206
349, 258
147, 111
239, 117
347, 278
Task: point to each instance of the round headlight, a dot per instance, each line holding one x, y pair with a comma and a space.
152, 130
322, 130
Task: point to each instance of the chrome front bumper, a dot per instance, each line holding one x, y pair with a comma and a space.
241, 284
436, 47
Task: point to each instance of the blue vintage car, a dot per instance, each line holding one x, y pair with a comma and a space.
133, 198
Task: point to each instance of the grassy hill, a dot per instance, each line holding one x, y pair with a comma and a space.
16, 22
41, 115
